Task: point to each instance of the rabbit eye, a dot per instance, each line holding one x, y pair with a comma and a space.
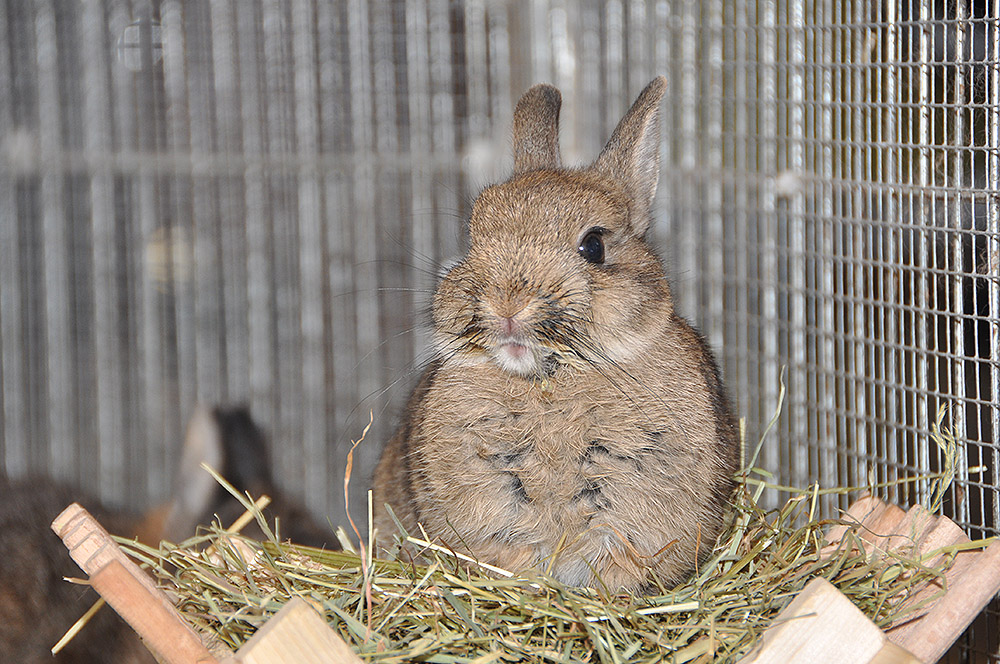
592, 246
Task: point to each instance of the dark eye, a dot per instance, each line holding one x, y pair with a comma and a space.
592, 246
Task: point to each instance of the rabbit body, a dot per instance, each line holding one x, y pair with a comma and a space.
571, 421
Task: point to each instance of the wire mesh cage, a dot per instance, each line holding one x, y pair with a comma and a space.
228, 201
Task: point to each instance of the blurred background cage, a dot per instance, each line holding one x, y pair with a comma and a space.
246, 201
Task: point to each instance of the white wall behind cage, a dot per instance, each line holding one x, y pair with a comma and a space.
234, 201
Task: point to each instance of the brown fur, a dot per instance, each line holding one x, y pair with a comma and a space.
571, 420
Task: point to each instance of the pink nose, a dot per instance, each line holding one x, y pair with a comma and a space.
509, 325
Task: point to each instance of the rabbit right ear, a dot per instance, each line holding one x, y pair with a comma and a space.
632, 155
536, 129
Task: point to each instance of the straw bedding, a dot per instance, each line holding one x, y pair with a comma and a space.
442, 608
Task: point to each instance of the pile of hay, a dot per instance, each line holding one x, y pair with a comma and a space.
448, 609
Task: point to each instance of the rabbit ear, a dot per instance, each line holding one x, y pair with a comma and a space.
536, 129
632, 155
194, 489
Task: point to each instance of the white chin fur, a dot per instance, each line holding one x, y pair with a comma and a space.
516, 359
522, 361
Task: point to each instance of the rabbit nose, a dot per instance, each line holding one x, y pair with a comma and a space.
509, 325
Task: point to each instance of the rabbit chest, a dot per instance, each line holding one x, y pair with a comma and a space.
558, 473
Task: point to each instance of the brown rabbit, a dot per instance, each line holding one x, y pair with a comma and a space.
37, 606
571, 420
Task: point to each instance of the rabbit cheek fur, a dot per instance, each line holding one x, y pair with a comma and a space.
571, 421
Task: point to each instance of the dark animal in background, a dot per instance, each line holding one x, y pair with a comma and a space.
228, 439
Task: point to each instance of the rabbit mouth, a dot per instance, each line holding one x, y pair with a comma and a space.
514, 349
517, 356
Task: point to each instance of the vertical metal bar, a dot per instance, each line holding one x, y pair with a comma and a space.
477, 61
444, 122
500, 56
106, 322
232, 230
58, 331
827, 432
541, 56
956, 147
636, 45
993, 254
798, 286
142, 108
745, 374
315, 489
367, 331
767, 94
278, 102
477, 75
926, 216
420, 144
259, 270
892, 274
444, 135
870, 206
615, 78
389, 215
842, 385
179, 229
665, 62
336, 133
711, 301
15, 435
205, 281
561, 38
685, 232
860, 309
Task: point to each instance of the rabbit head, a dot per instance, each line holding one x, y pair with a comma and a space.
558, 269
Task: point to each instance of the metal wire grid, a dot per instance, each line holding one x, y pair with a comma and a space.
210, 202
247, 201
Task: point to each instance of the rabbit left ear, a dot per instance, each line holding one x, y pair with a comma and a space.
536, 129
632, 155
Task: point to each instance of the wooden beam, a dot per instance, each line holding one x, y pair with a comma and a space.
162, 630
297, 634
822, 626
129, 590
972, 582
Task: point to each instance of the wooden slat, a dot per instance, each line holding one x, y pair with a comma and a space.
128, 590
921, 532
972, 582
822, 626
875, 517
893, 654
296, 635
163, 631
